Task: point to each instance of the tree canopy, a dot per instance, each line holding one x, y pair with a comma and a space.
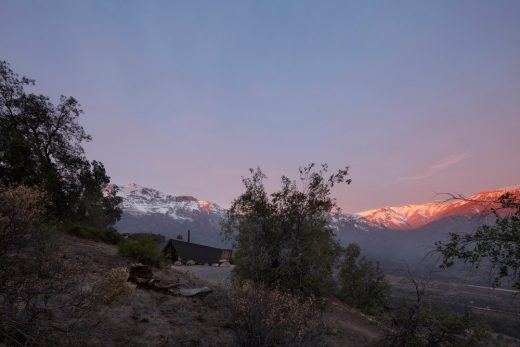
498, 244
41, 145
361, 282
283, 239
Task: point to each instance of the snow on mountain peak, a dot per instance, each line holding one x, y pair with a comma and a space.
138, 200
416, 215
131, 185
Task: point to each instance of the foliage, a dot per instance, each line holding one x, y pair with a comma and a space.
98, 201
283, 241
20, 210
109, 235
41, 145
499, 243
38, 287
266, 317
144, 249
112, 287
361, 283
435, 326
419, 324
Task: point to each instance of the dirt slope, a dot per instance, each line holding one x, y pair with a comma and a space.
148, 318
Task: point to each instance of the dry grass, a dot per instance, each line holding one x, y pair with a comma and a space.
138, 317
265, 317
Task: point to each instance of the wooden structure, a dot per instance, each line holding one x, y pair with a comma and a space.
178, 250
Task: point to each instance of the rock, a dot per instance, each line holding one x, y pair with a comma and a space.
177, 263
191, 262
225, 264
215, 264
194, 291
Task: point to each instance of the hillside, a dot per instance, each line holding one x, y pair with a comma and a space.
151, 318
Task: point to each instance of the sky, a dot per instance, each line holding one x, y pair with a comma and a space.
416, 97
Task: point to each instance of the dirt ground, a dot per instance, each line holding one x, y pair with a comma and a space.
348, 326
149, 318
145, 317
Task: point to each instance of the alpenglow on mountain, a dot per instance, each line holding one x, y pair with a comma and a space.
149, 210
408, 217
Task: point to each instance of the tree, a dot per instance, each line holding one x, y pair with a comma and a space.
98, 203
498, 244
41, 145
422, 324
361, 283
283, 240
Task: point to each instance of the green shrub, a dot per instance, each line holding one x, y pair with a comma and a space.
144, 249
109, 235
361, 283
418, 325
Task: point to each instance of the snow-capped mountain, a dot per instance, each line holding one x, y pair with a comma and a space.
409, 217
138, 200
149, 210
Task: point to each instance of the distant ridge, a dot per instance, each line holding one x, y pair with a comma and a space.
413, 216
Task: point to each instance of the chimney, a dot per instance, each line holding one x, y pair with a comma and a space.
189, 235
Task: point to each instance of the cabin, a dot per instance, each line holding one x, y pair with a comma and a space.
183, 251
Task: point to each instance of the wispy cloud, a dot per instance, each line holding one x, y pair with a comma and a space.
434, 168
447, 162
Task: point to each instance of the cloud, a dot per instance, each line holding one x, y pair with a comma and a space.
449, 161
433, 169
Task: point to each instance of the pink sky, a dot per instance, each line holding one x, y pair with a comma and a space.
416, 97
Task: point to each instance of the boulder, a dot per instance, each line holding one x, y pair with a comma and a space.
194, 291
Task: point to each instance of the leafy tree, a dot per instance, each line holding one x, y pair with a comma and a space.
498, 244
41, 145
361, 283
144, 249
436, 326
421, 324
98, 200
283, 240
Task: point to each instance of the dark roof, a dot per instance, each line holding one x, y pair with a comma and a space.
192, 251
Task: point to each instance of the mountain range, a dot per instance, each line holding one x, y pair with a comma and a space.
149, 210
400, 238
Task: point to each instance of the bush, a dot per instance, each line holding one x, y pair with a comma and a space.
41, 294
418, 325
112, 287
109, 235
20, 209
144, 249
265, 317
361, 283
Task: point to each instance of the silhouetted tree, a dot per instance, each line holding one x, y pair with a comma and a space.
498, 244
361, 283
41, 145
283, 240
419, 323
